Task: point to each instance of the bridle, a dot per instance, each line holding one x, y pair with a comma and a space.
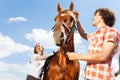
67, 41
70, 31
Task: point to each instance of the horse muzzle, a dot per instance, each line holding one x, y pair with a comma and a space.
59, 38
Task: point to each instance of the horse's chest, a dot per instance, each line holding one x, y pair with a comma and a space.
57, 72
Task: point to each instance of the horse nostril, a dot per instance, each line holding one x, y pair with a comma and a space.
71, 19
62, 35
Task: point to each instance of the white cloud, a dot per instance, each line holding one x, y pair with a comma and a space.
3, 66
9, 47
13, 71
46, 38
7, 76
77, 38
115, 65
42, 36
21, 68
17, 19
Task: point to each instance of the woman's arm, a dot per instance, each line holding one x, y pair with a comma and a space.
43, 57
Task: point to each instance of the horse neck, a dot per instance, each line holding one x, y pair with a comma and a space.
61, 55
70, 46
62, 58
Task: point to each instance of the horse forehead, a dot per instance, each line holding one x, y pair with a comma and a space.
64, 14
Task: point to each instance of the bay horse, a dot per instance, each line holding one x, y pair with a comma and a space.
58, 66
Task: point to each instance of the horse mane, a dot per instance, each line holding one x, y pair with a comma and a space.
45, 67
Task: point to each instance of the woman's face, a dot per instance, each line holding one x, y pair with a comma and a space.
39, 48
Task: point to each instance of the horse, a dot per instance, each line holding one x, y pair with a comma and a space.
58, 66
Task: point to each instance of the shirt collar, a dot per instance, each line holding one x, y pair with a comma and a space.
103, 28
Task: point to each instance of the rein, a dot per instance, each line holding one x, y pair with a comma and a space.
71, 31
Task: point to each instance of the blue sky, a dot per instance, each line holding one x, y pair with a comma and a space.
26, 22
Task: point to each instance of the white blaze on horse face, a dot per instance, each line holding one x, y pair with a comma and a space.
72, 14
64, 35
62, 14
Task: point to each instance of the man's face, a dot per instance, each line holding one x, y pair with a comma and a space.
97, 19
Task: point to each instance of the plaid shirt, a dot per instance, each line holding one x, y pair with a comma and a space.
103, 70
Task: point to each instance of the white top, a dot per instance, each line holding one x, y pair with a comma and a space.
36, 66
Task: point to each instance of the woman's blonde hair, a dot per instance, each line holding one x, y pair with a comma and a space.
42, 49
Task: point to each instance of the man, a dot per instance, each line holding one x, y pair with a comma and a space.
103, 46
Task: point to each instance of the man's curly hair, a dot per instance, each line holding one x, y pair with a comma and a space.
108, 16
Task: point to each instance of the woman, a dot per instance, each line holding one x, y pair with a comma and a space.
37, 62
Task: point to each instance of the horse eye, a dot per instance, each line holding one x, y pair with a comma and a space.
63, 12
53, 28
55, 19
71, 19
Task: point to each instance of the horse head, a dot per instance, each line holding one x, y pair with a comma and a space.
64, 25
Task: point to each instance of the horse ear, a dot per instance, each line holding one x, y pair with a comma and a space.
71, 6
76, 14
59, 7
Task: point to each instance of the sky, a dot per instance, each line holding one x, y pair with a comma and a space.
26, 22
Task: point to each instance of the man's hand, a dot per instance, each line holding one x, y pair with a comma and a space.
72, 56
